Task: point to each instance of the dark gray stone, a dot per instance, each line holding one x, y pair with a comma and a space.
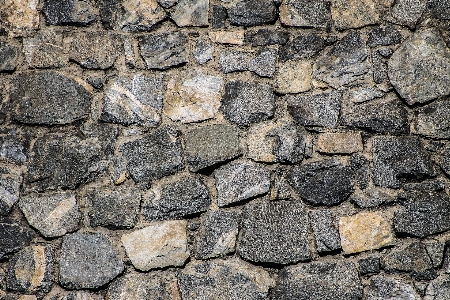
264, 63
380, 73
218, 16
319, 280
369, 265
48, 98
383, 287
325, 182
10, 182
406, 12
203, 52
184, 197
439, 9
155, 155
13, 237
245, 103
275, 232
427, 185
398, 160
435, 250
8, 57
360, 165
265, 37
69, 12
253, 13
45, 50
325, 231
305, 13
233, 61
13, 149
302, 47
432, 120
438, 289
88, 261
106, 10
383, 36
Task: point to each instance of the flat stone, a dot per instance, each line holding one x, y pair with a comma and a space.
184, 197
360, 165
48, 98
406, 12
211, 145
162, 244
437, 185
13, 237
52, 214
58, 293
218, 16
10, 182
45, 50
361, 94
380, 74
155, 155
305, 13
133, 99
435, 250
264, 63
235, 37
383, 287
438, 289
191, 13
432, 120
369, 265
163, 51
88, 261
275, 232
325, 182
203, 52
325, 231
13, 148
302, 47
439, 9
233, 61
239, 181
19, 16
9, 54
245, 103
315, 110
193, 99
383, 36
339, 142
354, 13
373, 197
253, 13
135, 15
30, 270
232, 279
69, 12
398, 160
417, 67
265, 37
319, 280
293, 77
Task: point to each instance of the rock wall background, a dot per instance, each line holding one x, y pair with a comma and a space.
244, 149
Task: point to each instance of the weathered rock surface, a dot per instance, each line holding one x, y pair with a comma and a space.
191, 13
10, 182
354, 13
369, 265
372, 197
252, 13
438, 289
439, 9
13, 237
19, 16
383, 36
45, 50
235, 37
203, 51
265, 37
432, 120
293, 77
305, 13
406, 12
325, 231
360, 165
340, 142
69, 12
218, 16
8, 56
233, 61
383, 287
302, 47
264, 63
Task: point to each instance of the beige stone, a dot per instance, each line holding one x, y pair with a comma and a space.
159, 245
365, 231
259, 145
354, 13
293, 77
339, 142
227, 37
27, 297
19, 16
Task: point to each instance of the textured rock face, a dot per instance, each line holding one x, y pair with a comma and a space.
382, 287
10, 181
304, 13
354, 13
325, 232
191, 13
252, 13
69, 12
302, 46
45, 50
293, 77
19, 16
8, 57
431, 120
342, 142
13, 237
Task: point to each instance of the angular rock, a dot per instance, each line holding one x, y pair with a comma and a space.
264, 62
293, 77
417, 67
361, 94
8, 57
162, 244
325, 231
135, 99
435, 250
253, 13
132, 15
406, 12
265, 37
319, 280
360, 165
191, 13
302, 47
46, 50
13, 149
382, 287
438, 289
380, 74
164, 50
383, 36
235, 37
354, 13
19, 16
155, 155
218, 16
10, 182
275, 232
432, 120
48, 98
69, 12
325, 182
372, 197
181, 198
437, 185
339, 142
107, 9
439, 9
211, 145
203, 51
369, 265
233, 61
305, 13
88, 261
398, 160
13, 237
30, 270
239, 181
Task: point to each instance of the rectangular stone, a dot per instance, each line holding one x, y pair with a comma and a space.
339, 142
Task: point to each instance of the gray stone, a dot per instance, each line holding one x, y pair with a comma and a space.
8, 57
203, 51
435, 250
319, 280
325, 182
88, 261
439, 9
417, 67
218, 16
13, 237
345, 63
369, 265
360, 165
30, 270
348, 14
432, 120
106, 9
217, 234
69, 12
360, 94
182, 198
383, 287
10, 182
398, 160
219, 279
253, 13
45, 50
191, 13
133, 15
239, 181
52, 214
427, 185
445, 161
135, 99
264, 62
167, 3
275, 232
406, 12
315, 110
164, 50
302, 47
233, 61
325, 231
383, 36
305, 13
265, 37
211, 145
48, 98
372, 197
380, 73
13, 149
155, 155
438, 289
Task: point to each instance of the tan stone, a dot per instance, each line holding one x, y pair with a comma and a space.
293, 77
227, 37
259, 145
340, 142
27, 297
19, 16
159, 245
353, 13
365, 231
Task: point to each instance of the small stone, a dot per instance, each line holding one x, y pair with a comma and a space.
293, 77
135, 99
264, 62
360, 165
211, 145
380, 74
305, 13
435, 250
218, 16
432, 120
162, 244
319, 280
339, 142
46, 50
19, 16
302, 47
8, 57
10, 182
382, 287
354, 13
88, 261
438, 289
281, 190
203, 51
235, 37
369, 265
238, 181
163, 51
427, 185
191, 13
181, 198
417, 67
167, 3
275, 232
316, 110
386, 52
265, 37
135, 15
362, 94
193, 99
325, 231
383, 36
439, 9
233, 61
52, 214
230, 279
406, 12
373, 197
13, 149
253, 13
13, 237
30, 270
69, 12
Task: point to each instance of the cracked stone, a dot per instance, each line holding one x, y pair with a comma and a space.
325, 231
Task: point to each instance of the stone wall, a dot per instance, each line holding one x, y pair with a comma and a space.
224, 149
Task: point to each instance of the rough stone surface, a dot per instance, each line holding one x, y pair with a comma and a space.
69, 12
235, 37
253, 13
325, 231
439, 9
293, 77
19, 16
372, 197
305, 13
10, 182
369, 265
159, 245
264, 63
438, 289
302, 47
354, 13
340, 142
203, 51
406, 12
45, 50
13, 149
383, 287
432, 121
218, 16
383, 36
191, 13
13, 237
8, 57
275, 232
233, 61
132, 15
265, 37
